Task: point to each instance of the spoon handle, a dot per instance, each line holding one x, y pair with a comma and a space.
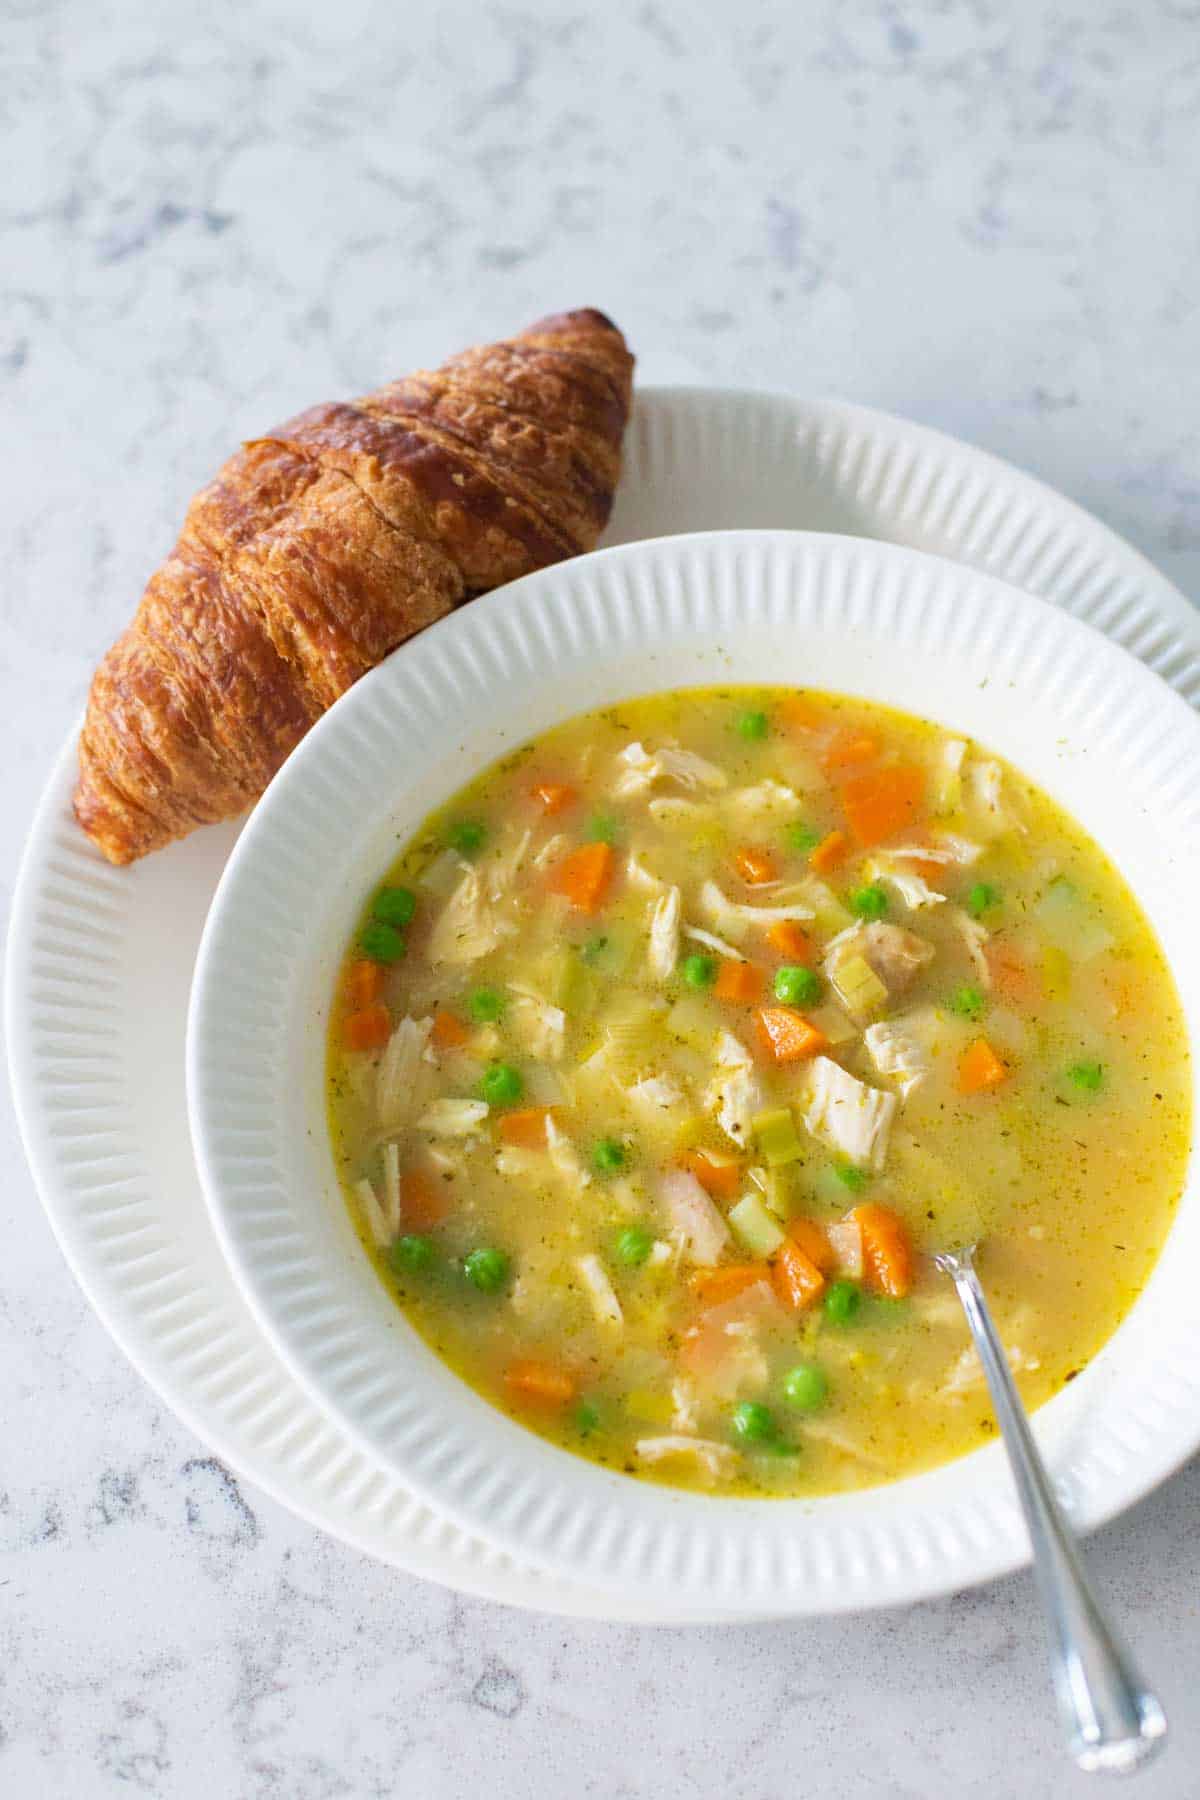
1113, 1721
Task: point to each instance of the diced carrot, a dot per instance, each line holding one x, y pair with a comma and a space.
792, 941
1012, 976
422, 1202
719, 1176
933, 874
887, 1252
883, 803
448, 1031
829, 853
796, 1278
526, 1127
812, 1240
741, 982
541, 1382
786, 1035
980, 1069
583, 877
368, 1029
554, 796
712, 1287
798, 714
848, 749
364, 983
754, 866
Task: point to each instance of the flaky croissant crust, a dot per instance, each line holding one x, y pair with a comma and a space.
322, 545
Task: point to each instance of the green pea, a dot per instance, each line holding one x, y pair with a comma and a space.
587, 1417
394, 906
850, 1177
608, 1155
486, 1005
467, 836
752, 726
601, 829
1086, 1075
802, 837
502, 1085
382, 943
486, 1269
797, 985
805, 1387
981, 897
967, 1001
699, 971
634, 1246
412, 1255
753, 1422
869, 902
842, 1301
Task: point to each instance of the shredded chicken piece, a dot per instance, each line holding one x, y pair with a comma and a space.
736, 1091
913, 890
846, 1114
373, 1213
664, 933
467, 926
896, 955
501, 869
898, 1054
605, 1304
691, 1212
985, 785
391, 1185
551, 850
639, 770
402, 1078
640, 876
657, 1093
716, 1459
685, 1401
766, 803
541, 1027
453, 1118
966, 1372
975, 936
565, 1157
736, 918
943, 847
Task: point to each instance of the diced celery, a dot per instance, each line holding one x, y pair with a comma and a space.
829, 915
859, 987
775, 1133
833, 1024
776, 1186
753, 1226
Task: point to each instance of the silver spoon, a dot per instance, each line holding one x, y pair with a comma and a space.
1113, 1721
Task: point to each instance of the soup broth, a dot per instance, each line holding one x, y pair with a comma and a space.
667, 1052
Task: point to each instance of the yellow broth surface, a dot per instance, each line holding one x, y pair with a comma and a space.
666, 1054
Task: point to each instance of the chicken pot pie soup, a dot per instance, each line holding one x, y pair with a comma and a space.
668, 1051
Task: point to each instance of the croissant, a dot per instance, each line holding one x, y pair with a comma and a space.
325, 543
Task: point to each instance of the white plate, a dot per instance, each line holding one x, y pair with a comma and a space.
136, 1231
1078, 715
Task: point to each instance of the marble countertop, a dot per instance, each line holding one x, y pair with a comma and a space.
980, 213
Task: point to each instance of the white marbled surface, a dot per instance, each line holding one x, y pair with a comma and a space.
978, 212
